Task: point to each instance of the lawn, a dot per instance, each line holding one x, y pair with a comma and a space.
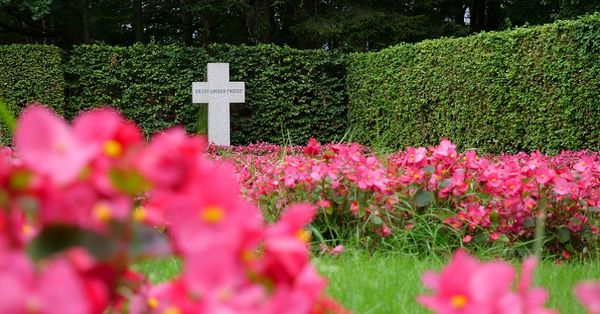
389, 283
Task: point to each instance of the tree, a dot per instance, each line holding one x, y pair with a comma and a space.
346, 25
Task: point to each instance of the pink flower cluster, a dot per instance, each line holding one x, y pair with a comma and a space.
467, 286
83, 201
492, 195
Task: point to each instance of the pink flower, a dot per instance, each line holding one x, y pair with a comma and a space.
561, 187
324, 204
56, 289
337, 250
415, 156
46, 144
588, 293
544, 175
173, 166
532, 300
385, 231
313, 147
494, 236
464, 286
459, 287
445, 151
467, 238
325, 249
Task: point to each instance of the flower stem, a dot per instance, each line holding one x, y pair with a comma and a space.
540, 225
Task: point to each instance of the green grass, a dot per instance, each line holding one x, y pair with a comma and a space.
389, 283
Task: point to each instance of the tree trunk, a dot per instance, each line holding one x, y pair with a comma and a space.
494, 15
138, 21
187, 20
87, 5
477, 12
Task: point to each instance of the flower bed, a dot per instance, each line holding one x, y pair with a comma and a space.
484, 199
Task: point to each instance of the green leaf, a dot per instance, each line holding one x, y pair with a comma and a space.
429, 169
7, 117
563, 235
128, 182
444, 183
529, 222
494, 217
56, 238
376, 220
423, 198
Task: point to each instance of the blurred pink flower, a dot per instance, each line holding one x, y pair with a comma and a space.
468, 286
46, 144
588, 293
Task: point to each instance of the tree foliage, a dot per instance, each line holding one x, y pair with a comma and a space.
346, 25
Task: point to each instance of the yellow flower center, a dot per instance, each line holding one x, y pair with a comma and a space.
212, 214
102, 212
27, 229
458, 301
247, 255
303, 235
139, 214
112, 148
153, 303
172, 310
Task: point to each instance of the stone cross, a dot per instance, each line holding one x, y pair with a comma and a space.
218, 92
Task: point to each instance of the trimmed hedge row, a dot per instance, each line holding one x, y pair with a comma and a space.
287, 90
30, 73
524, 89
520, 90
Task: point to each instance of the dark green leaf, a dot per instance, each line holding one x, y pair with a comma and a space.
423, 198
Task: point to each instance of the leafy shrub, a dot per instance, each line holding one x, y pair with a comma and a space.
30, 73
523, 89
302, 92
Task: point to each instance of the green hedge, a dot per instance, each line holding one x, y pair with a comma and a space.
30, 73
524, 89
300, 93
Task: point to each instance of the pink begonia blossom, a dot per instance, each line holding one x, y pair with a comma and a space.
100, 183
313, 147
57, 288
445, 150
464, 287
335, 251
588, 293
46, 144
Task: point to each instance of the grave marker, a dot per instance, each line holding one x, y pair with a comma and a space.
218, 92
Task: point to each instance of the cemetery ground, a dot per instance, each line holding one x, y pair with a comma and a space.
390, 282
382, 273
262, 228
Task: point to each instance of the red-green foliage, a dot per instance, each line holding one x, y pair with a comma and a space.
484, 199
